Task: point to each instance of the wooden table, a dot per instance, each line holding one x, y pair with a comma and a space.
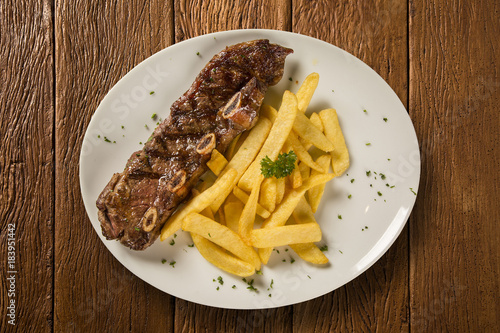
60, 58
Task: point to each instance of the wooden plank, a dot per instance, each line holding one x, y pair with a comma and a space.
96, 44
26, 165
193, 18
198, 17
375, 32
455, 98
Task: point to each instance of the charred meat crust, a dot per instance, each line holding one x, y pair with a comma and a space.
223, 101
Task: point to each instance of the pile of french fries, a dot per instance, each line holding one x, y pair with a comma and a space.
236, 217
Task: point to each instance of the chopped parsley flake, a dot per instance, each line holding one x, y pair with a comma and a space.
163, 261
153, 116
352, 180
339, 216
290, 79
220, 280
209, 235
341, 252
137, 229
368, 173
411, 189
379, 193
197, 53
324, 248
382, 176
258, 272
368, 144
151, 92
172, 263
349, 196
385, 119
251, 287
172, 242
107, 140
98, 136
123, 127
191, 245
234, 286
269, 295
364, 110
292, 260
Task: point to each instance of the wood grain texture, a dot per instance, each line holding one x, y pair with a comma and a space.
455, 98
26, 161
193, 18
96, 44
375, 32
197, 17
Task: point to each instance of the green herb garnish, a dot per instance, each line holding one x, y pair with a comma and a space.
324, 248
283, 166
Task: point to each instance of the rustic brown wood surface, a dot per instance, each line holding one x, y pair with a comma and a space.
60, 58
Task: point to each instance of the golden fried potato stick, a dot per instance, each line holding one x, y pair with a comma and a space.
222, 236
286, 207
307, 251
217, 162
198, 203
220, 258
306, 91
340, 156
315, 193
277, 137
245, 155
284, 235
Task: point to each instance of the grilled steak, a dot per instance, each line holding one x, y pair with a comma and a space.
223, 101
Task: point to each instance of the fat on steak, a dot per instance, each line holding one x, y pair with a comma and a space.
223, 101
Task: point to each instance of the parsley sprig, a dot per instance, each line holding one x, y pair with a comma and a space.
282, 167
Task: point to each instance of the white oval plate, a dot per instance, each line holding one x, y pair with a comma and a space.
369, 222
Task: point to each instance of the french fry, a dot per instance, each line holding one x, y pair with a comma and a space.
296, 177
286, 207
198, 203
305, 129
315, 193
316, 121
304, 171
310, 253
306, 91
267, 197
220, 258
222, 236
245, 155
302, 153
340, 156
269, 112
307, 251
280, 190
277, 137
284, 235
232, 211
217, 162
222, 217
207, 181
240, 194
247, 217
231, 150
